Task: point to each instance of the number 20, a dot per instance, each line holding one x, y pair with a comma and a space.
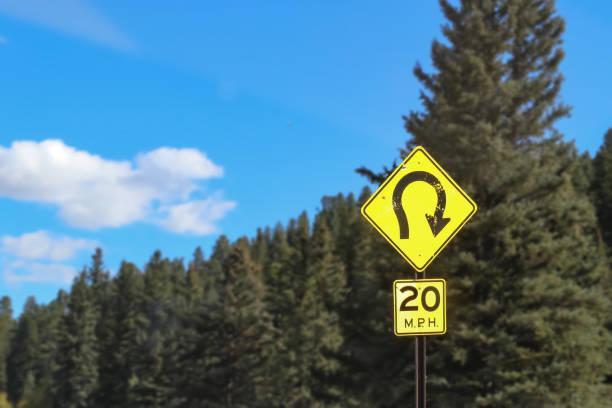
404, 306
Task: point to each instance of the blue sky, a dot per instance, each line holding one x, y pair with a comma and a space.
141, 125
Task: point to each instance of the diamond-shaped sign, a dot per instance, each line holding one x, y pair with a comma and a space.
419, 209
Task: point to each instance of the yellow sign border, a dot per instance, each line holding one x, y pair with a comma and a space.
395, 306
450, 180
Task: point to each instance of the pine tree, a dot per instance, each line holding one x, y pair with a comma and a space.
195, 275
127, 339
213, 270
370, 350
6, 329
283, 304
260, 246
100, 287
298, 236
524, 276
320, 334
232, 341
601, 191
602, 187
49, 322
76, 375
281, 296
22, 363
193, 283
96, 274
151, 386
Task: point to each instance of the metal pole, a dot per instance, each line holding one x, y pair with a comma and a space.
421, 388
420, 346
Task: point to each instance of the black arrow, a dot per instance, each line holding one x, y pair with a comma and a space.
437, 222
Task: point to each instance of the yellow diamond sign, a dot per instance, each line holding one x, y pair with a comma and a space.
419, 209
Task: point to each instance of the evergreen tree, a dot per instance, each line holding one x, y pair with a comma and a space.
49, 319
76, 375
601, 191
148, 386
298, 236
100, 287
524, 275
151, 386
198, 259
6, 329
128, 338
179, 281
213, 270
96, 274
602, 187
22, 364
318, 327
231, 341
370, 350
282, 302
583, 173
281, 296
195, 275
260, 246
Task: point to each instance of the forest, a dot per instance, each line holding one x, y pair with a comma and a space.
301, 313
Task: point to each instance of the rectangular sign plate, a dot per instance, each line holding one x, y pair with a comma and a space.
419, 307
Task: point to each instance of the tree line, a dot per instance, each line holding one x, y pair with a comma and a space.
300, 315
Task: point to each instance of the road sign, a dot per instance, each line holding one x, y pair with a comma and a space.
419, 209
419, 307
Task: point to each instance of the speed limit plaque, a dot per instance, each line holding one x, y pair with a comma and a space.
419, 307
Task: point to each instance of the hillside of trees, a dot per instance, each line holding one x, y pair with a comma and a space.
300, 315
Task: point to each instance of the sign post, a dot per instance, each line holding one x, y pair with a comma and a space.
419, 208
420, 345
420, 355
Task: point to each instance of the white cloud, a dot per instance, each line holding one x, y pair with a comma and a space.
40, 245
92, 192
75, 17
32, 257
19, 271
196, 217
178, 163
173, 170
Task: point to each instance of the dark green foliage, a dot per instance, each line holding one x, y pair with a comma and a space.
524, 275
195, 275
231, 340
23, 357
128, 337
370, 350
149, 384
260, 245
50, 326
602, 187
6, 328
602, 194
76, 376
31, 360
96, 275
101, 289
213, 270
318, 331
